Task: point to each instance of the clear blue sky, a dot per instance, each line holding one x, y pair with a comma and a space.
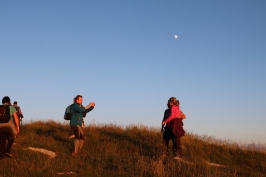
123, 56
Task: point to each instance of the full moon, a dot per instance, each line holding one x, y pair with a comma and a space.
175, 36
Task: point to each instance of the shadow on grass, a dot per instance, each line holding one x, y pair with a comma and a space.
58, 135
144, 147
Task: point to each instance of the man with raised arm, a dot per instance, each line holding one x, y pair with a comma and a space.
77, 111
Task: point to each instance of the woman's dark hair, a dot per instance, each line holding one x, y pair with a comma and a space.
77, 97
6, 99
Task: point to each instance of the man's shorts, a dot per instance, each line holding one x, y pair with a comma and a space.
78, 132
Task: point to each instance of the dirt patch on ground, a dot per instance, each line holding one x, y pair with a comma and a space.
215, 164
44, 151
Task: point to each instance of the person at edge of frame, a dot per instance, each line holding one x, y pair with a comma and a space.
8, 130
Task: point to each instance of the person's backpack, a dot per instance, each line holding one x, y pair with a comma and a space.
18, 112
68, 114
4, 114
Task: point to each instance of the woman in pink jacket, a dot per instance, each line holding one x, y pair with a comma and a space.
172, 126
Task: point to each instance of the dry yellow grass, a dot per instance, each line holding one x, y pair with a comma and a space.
133, 150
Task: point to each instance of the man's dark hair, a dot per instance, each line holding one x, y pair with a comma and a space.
77, 97
6, 99
15, 102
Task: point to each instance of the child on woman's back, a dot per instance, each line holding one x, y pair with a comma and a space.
175, 111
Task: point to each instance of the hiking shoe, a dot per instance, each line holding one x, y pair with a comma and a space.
177, 158
165, 154
73, 154
72, 136
8, 154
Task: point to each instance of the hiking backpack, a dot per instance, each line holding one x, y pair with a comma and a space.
4, 114
18, 112
68, 114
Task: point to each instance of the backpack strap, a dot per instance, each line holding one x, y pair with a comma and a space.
70, 110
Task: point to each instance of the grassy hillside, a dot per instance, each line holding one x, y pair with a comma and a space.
112, 150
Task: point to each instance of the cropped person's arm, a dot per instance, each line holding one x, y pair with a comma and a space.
165, 115
162, 129
16, 121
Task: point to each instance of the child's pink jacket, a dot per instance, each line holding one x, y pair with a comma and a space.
175, 113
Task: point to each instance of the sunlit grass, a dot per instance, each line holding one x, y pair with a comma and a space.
133, 150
